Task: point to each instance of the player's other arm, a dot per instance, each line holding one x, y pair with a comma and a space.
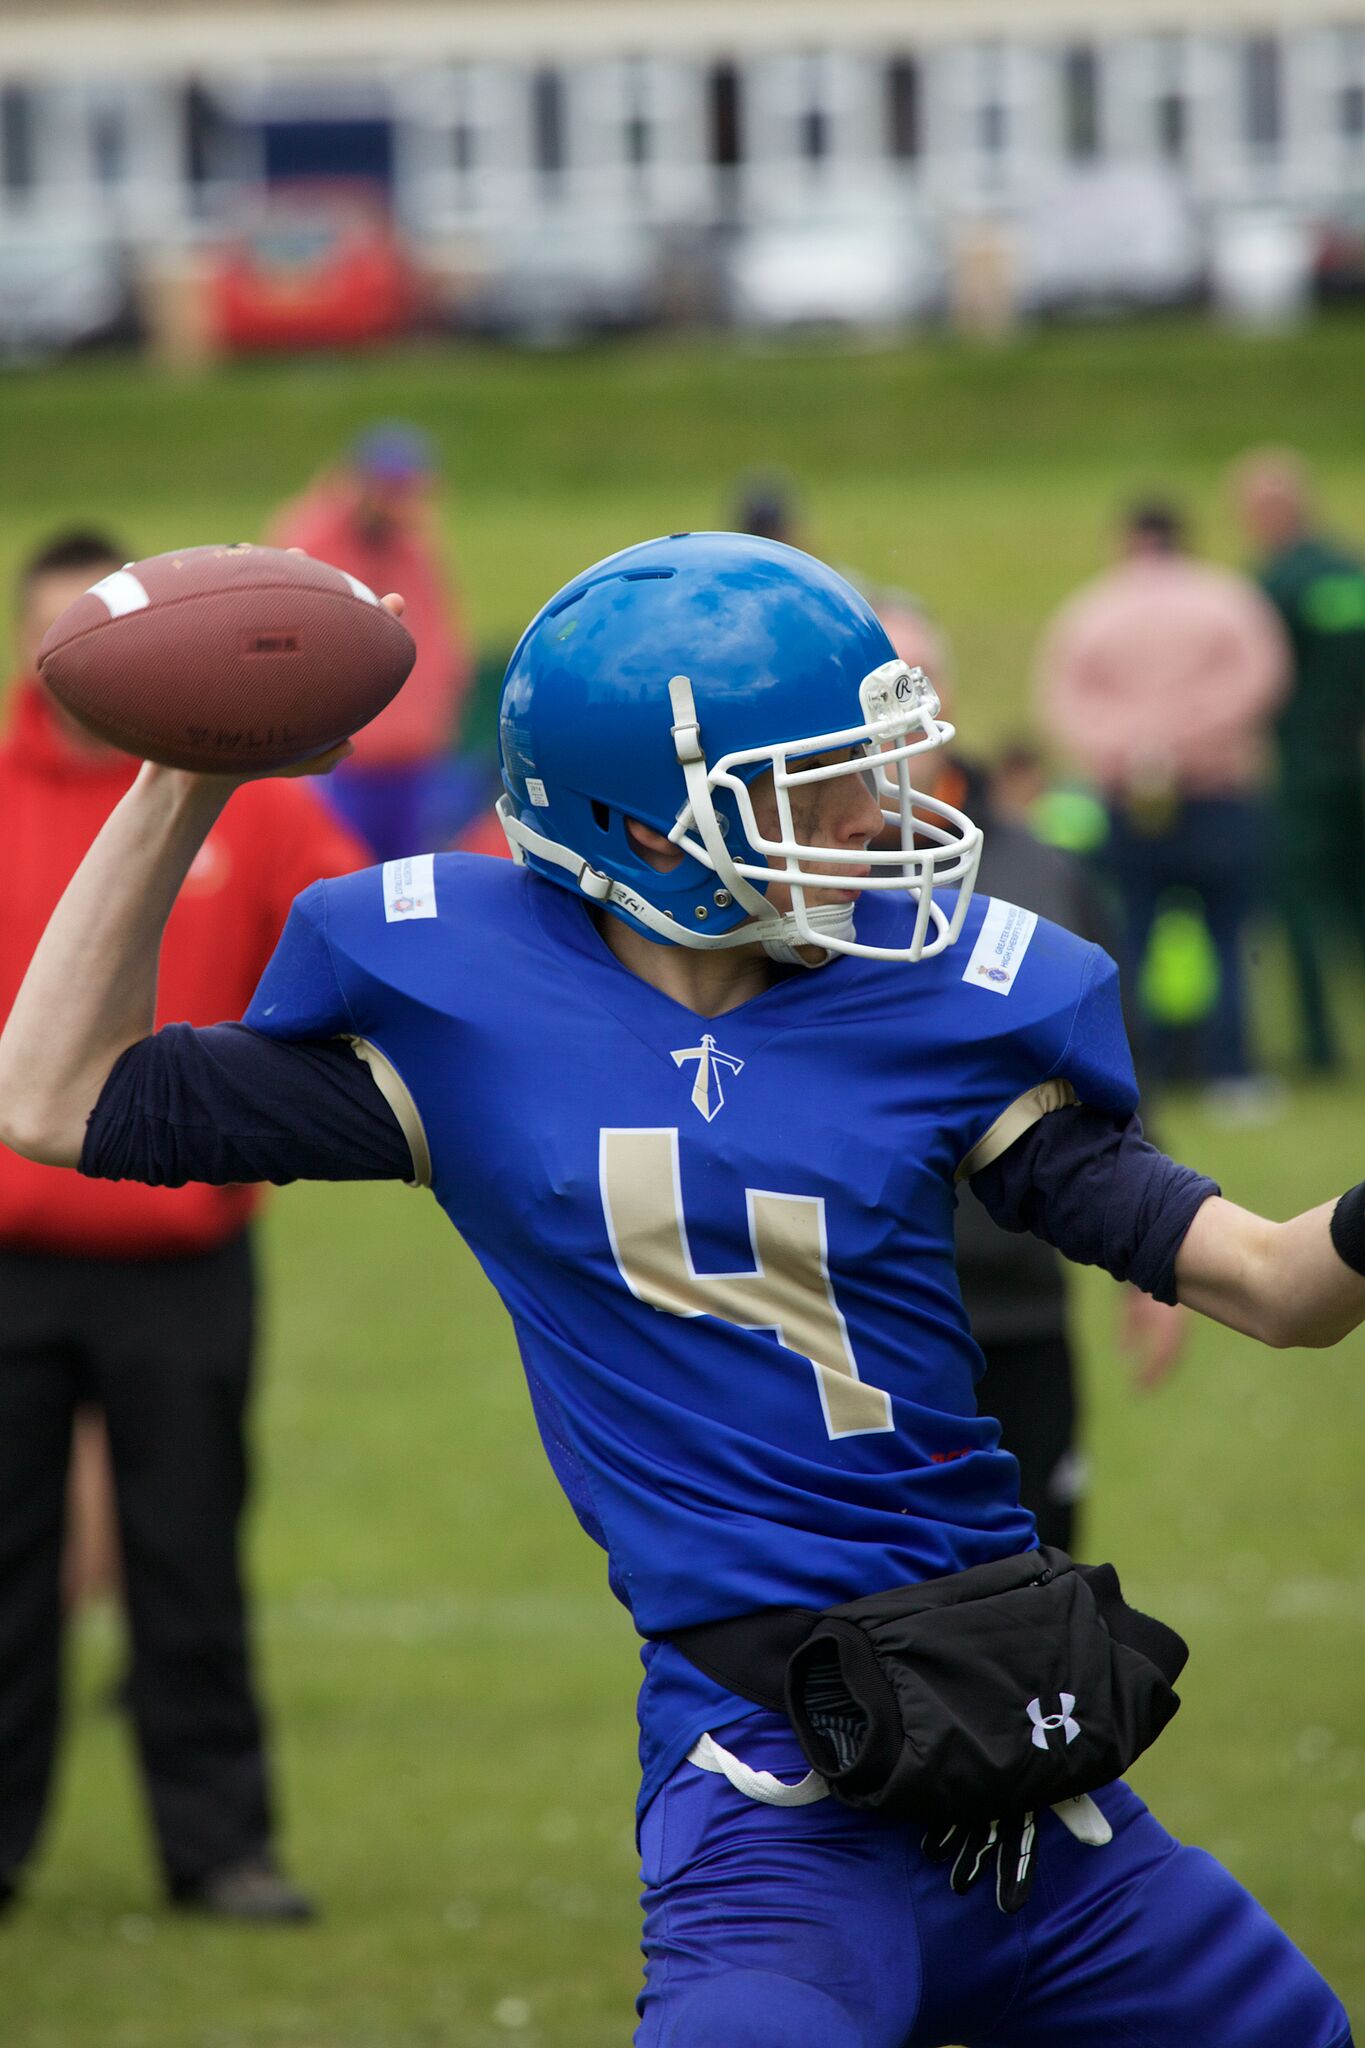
1284, 1283
90, 991
1088, 1182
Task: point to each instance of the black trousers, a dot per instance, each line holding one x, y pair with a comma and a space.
164, 1349
1320, 892
1029, 1387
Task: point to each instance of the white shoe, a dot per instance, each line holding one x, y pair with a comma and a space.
1244, 1100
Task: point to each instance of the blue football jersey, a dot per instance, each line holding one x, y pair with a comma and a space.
726, 1244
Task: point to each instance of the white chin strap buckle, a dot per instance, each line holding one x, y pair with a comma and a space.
790, 945
598, 887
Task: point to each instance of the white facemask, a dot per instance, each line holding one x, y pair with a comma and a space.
938, 845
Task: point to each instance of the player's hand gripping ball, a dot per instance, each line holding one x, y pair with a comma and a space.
229, 660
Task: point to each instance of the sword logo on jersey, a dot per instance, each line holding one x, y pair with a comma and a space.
708, 1089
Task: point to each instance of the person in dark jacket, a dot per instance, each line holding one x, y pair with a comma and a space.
1318, 588
1016, 1288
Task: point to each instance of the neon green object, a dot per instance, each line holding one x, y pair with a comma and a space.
1070, 818
1179, 979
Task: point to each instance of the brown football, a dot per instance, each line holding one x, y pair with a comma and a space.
226, 659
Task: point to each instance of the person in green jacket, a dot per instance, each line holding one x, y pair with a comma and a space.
1318, 587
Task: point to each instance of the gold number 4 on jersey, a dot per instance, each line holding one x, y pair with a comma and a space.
788, 1291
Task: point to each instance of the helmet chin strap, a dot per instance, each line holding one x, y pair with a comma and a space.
791, 948
778, 932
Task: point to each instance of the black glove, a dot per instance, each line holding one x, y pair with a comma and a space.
1012, 1846
971, 1850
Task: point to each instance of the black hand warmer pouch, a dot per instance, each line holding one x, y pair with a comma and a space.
997, 1690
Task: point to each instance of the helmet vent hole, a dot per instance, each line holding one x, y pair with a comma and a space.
581, 590
601, 815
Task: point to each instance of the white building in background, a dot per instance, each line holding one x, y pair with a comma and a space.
143, 117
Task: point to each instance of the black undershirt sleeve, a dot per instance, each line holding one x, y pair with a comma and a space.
1090, 1184
228, 1104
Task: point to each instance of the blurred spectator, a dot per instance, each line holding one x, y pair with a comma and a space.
766, 506
1015, 1288
1019, 784
140, 1301
914, 635
1179, 981
403, 790
1318, 588
1159, 680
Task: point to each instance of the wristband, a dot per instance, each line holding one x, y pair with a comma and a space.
1348, 1228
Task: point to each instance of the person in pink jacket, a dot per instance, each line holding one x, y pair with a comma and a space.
402, 790
1159, 681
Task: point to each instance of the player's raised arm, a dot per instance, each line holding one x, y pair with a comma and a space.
90, 991
1295, 1283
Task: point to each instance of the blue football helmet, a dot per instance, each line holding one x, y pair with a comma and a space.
661, 685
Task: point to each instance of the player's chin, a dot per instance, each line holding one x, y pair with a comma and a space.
780, 897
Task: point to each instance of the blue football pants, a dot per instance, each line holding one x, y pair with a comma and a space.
817, 1927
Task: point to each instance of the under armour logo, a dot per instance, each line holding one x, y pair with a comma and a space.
1044, 1723
708, 1094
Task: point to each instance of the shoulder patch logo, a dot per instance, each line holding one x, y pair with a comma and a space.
1000, 946
708, 1092
409, 888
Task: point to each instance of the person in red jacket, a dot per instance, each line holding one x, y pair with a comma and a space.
402, 789
140, 1301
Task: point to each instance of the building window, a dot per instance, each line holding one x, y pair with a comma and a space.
1264, 112
108, 144
727, 133
205, 132
812, 119
814, 135
1350, 93
637, 141
547, 125
1081, 102
992, 129
17, 138
463, 148
904, 131
991, 119
1170, 98
638, 134
1172, 127
460, 133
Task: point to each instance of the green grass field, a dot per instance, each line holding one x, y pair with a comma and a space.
451, 1684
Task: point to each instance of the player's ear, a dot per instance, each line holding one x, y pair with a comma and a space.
659, 851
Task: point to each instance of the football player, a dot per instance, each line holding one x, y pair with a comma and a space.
696, 1080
